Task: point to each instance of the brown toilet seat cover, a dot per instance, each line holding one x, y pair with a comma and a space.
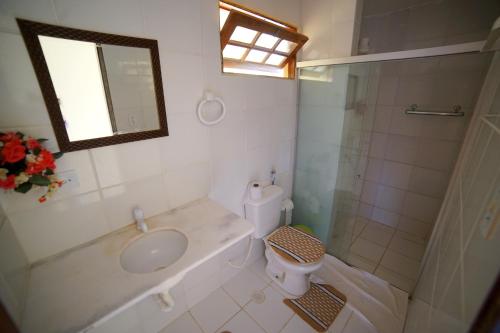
296, 245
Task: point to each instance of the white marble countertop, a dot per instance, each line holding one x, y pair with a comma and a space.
86, 286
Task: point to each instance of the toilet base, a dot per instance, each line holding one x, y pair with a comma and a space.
294, 283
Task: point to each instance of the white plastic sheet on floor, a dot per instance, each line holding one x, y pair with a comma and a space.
372, 299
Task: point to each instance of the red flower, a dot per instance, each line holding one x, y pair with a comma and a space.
46, 159
32, 144
10, 136
8, 183
42, 199
13, 151
34, 168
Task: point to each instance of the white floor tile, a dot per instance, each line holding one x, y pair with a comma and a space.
272, 314
183, 324
259, 268
400, 264
212, 312
340, 322
243, 285
361, 263
377, 233
357, 324
406, 247
297, 325
367, 249
241, 323
394, 278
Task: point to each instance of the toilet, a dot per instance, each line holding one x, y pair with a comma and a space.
292, 255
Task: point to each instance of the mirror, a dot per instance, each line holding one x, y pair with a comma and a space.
100, 89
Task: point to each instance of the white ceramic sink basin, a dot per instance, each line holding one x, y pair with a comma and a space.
153, 251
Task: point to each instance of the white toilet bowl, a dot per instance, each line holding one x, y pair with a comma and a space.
291, 277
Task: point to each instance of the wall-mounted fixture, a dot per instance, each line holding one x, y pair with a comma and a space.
211, 117
100, 89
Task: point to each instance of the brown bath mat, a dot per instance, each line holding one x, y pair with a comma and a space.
296, 246
319, 306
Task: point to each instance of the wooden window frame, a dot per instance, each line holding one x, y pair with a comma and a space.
283, 31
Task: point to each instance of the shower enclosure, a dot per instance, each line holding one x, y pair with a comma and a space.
374, 160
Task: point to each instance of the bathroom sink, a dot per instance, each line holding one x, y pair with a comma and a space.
153, 251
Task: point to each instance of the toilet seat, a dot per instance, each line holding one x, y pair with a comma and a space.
295, 247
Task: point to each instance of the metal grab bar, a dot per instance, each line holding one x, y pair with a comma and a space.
413, 109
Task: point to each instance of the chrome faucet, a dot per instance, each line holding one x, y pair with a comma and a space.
139, 220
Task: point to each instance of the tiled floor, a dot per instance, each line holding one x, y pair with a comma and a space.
252, 303
391, 254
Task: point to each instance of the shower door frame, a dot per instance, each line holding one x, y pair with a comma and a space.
454, 49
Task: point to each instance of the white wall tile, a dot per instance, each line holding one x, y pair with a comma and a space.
126, 162
187, 184
396, 174
176, 24
378, 145
369, 193
437, 154
22, 101
404, 124
382, 119
385, 217
187, 143
95, 15
390, 198
60, 225
401, 148
182, 76
150, 194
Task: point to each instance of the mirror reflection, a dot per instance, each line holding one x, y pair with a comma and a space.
102, 89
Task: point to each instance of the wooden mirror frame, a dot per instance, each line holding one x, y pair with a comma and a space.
30, 31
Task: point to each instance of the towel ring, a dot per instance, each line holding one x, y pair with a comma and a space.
209, 97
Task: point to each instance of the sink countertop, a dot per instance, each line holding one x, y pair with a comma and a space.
87, 285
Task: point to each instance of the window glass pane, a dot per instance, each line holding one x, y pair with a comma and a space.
266, 41
275, 60
286, 46
233, 52
243, 35
223, 14
256, 56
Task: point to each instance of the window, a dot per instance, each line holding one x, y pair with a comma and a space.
256, 44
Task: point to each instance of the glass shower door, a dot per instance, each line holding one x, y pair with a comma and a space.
335, 118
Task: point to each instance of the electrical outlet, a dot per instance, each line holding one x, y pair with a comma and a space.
70, 179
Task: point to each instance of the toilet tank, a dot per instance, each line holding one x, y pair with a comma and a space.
264, 213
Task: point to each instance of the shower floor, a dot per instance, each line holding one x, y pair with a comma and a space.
389, 253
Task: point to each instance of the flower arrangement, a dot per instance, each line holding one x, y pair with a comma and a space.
25, 163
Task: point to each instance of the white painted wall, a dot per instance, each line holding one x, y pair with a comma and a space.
160, 174
332, 27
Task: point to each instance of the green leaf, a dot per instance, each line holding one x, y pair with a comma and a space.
49, 172
40, 180
58, 154
24, 187
42, 140
36, 151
